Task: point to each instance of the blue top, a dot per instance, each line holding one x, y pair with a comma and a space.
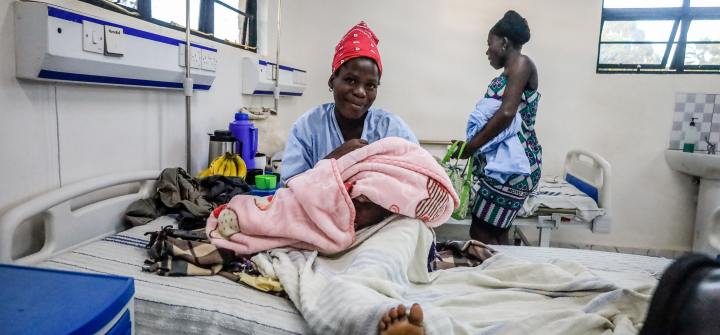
504, 154
45, 301
316, 134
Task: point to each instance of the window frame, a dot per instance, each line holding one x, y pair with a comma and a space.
683, 17
206, 22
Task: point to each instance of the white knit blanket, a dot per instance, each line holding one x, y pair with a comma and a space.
348, 292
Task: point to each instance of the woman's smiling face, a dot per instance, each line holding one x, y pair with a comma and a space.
354, 86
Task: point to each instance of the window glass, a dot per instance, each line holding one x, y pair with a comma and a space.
702, 54
636, 31
237, 4
641, 3
631, 53
174, 11
671, 56
228, 24
704, 30
704, 3
126, 3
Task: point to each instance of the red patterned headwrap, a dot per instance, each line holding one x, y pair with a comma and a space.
358, 42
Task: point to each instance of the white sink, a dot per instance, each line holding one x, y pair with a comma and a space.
699, 165
707, 217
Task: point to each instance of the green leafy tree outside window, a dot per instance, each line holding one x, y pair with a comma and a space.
626, 53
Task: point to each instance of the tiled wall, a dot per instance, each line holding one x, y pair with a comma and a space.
704, 107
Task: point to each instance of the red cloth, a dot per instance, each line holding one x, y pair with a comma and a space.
358, 42
219, 209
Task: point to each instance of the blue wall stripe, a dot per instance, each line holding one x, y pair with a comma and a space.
281, 93
78, 18
282, 67
113, 80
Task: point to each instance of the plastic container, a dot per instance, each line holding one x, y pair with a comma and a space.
263, 193
692, 136
251, 173
265, 182
45, 301
245, 131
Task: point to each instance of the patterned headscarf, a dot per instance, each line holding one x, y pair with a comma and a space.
358, 42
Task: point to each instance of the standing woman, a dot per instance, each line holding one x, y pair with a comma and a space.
496, 204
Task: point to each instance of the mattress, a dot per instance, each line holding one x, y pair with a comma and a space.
191, 305
215, 305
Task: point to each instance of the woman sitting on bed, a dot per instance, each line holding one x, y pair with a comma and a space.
497, 202
332, 130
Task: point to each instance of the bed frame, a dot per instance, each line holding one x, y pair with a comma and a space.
67, 229
591, 174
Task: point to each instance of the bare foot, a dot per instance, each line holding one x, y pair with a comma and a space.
397, 322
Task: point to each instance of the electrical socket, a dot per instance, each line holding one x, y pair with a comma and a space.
209, 60
195, 56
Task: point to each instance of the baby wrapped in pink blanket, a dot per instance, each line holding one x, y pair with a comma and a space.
317, 209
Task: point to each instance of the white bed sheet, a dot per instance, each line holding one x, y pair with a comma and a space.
557, 193
215, 305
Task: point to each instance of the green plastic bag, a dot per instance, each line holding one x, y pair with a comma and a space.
462, 182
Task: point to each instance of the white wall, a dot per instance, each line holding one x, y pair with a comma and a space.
54, 134
435, 71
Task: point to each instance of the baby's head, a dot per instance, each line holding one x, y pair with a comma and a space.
368, 213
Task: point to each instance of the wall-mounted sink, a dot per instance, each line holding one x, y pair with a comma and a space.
699, 165
707, 218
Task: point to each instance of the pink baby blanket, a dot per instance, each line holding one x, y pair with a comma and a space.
315, 210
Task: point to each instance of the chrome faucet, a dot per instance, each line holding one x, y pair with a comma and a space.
710, 146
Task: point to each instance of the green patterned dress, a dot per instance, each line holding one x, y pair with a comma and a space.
498, 203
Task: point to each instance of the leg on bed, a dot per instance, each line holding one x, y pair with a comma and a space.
398, 322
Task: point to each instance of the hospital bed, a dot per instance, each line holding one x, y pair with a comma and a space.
579, 198
94, 239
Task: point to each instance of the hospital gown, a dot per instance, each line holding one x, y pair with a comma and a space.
316, 134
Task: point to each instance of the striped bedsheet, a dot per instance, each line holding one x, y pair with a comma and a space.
215, 305
192, 305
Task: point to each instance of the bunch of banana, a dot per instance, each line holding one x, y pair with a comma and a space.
227, 165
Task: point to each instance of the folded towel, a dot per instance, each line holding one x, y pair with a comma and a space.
504, 154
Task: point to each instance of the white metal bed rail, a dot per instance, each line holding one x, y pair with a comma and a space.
66, 229
598, 174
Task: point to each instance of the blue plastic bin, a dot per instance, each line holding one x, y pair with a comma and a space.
44, 301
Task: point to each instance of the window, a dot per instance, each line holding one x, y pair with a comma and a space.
231, 22
660, 36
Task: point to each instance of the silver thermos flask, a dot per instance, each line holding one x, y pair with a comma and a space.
221, 142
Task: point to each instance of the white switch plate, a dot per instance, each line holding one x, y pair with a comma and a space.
114, 41
299, 77
181, 47
270, 72
93, 37
209, 60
